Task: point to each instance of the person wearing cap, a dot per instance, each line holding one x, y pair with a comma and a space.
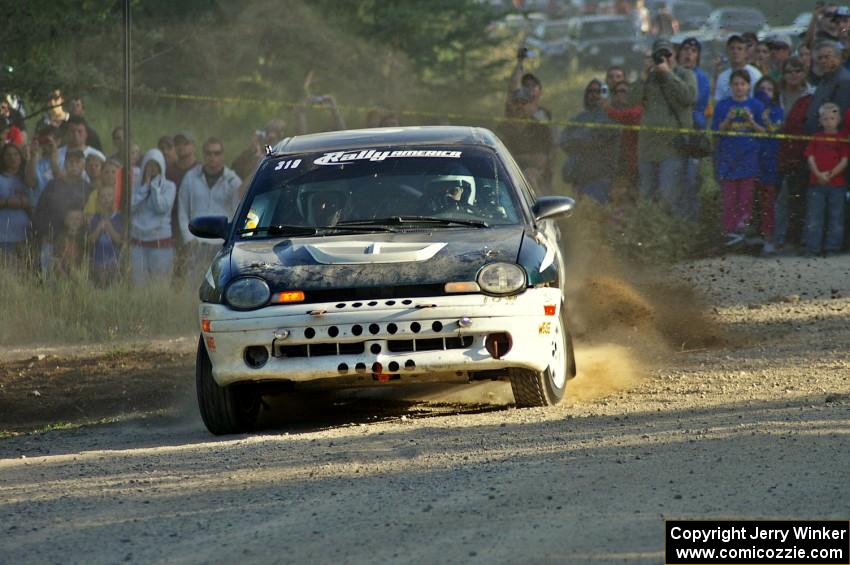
736, 51
834, 84
667, 94
184, 146
690, 52
829, 23
780, 49
529, 140
62, 195
521, 79
592, 153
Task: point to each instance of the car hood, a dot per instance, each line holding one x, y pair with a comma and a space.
375, 259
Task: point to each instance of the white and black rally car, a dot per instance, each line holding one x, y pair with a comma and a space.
385, 255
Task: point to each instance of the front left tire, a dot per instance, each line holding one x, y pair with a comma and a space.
547, 388
231, 409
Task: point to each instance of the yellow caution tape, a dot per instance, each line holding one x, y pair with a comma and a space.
468, 117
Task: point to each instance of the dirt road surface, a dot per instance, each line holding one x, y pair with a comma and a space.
757, 427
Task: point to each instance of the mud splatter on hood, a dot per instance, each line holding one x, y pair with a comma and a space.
289, 263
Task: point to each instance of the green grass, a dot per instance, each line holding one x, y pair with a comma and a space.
73, 311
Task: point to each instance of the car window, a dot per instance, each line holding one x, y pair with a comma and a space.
325, 189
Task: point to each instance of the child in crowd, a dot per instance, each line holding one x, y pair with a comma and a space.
70, 245
767, 92
105, 229
94, 168
827, 156
737, 156
108, 177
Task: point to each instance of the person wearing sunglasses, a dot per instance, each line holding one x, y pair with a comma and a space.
796, 97
592, 152
209, 190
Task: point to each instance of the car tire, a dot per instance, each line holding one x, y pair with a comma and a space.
229, 409
547, 388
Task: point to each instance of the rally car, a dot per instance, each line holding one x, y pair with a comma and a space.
383, 256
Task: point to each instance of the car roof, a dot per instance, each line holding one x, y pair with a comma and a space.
401, 136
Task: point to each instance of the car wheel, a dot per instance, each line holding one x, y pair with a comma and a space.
229, 409
547, 388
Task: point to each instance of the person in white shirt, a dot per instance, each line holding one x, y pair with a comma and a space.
210, 189
77, 137
736, 51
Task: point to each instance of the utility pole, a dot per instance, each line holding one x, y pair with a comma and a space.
128, 100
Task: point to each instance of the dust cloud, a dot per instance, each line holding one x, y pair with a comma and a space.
627, 321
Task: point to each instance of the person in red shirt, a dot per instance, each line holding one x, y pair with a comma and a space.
9, 133
827, 156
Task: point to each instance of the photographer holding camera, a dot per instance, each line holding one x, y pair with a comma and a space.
667, 95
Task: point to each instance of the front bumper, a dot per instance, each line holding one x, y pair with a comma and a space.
362, 340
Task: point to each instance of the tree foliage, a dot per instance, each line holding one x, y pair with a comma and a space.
227, 46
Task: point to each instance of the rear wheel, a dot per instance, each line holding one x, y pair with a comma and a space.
228, 409
547, 388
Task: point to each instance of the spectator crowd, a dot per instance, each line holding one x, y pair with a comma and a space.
772, 120
63, 203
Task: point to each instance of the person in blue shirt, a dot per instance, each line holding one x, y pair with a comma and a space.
767, 92
737, 156
689, 57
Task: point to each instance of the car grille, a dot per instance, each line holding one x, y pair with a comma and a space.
358, 348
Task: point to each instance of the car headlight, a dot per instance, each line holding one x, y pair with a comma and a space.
247, 292
501, 278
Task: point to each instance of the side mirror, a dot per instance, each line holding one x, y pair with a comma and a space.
209, 227
547, 207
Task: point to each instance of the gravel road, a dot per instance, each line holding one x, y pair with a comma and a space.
755, 428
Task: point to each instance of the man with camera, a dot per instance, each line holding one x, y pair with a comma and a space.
521, 79
667, 95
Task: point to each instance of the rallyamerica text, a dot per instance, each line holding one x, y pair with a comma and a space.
756, 532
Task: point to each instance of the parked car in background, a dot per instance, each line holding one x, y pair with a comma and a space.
601, 41
549, 38
515, 24
797, 28
691, 14
724, 21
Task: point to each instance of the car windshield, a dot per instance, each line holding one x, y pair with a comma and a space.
374, 188
606, 28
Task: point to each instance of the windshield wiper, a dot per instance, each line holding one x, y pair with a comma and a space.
281, 230
402, 220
